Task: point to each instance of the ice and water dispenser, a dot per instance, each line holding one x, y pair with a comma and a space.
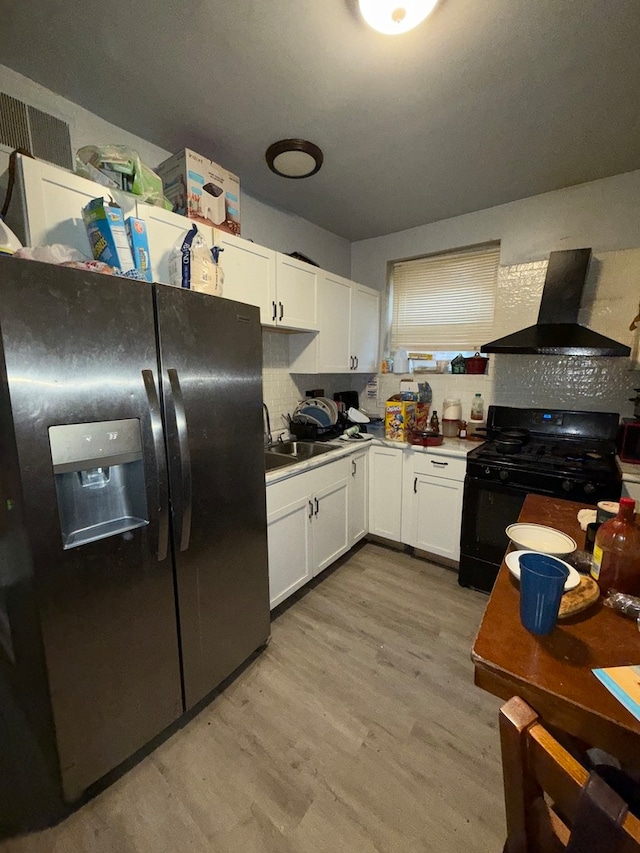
99, 476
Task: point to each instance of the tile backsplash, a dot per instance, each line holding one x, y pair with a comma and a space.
282, 390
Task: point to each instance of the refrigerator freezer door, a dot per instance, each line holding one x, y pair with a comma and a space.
75, 345
211, 360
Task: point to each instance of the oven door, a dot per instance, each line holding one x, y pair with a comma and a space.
488, 508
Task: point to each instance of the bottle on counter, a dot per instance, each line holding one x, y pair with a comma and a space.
434, 423
616, 553
462, 432
477, 408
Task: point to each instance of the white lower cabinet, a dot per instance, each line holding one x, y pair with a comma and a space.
432, 502
307, 526
385, 492
358, 496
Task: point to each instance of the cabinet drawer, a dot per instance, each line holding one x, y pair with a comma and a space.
440, 465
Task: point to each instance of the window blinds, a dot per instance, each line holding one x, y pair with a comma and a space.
445, 302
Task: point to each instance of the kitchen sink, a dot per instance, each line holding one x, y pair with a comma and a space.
274, 460
284, 453
299, 450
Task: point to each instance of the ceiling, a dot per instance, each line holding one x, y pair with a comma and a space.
484, 103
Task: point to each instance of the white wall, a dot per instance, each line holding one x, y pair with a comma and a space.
603, 215
261, 223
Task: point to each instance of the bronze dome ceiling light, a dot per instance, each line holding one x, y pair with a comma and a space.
294, 158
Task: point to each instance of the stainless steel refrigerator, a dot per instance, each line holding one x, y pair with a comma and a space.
133, 554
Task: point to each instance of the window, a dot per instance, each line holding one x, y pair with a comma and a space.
445, 301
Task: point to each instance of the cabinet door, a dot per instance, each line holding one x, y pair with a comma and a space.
358, 496
365, 320
290, 552
438, 514
296, 290
165, 230
53, 199
330, 528
249, 274
385, 492
334, 313
328, 351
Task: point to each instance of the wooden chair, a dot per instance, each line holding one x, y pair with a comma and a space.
552, 803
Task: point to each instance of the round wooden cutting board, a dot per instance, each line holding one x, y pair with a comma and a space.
578, 599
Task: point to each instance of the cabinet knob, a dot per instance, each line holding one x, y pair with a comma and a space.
275, 311
281, 310
415, 485
310, 510
317, 505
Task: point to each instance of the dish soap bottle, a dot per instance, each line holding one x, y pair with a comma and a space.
477, 408
616, 553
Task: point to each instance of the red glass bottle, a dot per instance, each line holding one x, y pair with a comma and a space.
616, 553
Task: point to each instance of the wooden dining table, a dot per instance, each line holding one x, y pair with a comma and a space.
553, 673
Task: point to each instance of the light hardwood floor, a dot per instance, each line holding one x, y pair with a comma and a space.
357, 730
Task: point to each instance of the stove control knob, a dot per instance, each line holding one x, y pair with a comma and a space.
487, 470
589, 488
503, 474
568, 485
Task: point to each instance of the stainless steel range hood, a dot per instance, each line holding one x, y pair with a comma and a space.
557, 331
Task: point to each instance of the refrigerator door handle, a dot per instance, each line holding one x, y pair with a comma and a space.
160, 462
185, 458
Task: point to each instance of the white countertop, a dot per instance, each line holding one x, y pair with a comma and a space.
630, 471
450, 447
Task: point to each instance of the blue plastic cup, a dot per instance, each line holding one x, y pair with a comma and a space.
542, 580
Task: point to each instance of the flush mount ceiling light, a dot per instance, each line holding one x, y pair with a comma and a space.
294, 158
393, 17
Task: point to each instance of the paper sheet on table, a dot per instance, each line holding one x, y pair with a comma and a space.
624, 683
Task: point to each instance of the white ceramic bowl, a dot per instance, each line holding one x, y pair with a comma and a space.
513, 564
538, 537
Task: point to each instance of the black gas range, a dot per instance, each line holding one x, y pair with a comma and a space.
566, 454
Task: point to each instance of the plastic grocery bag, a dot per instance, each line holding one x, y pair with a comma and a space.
121, 167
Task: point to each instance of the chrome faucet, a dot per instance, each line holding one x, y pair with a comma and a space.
266, 423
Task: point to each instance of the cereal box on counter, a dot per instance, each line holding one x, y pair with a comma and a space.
399, 418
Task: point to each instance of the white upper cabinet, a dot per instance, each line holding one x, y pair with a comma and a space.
48, 201
365, 319
283, 288
348, 321
291, 294
332, 348
296, 291
249, 274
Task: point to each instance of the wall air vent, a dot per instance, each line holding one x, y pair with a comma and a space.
45, 136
